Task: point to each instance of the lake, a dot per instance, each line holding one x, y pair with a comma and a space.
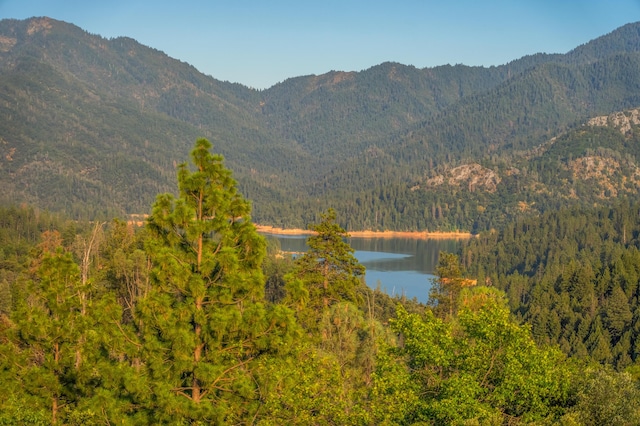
400, 266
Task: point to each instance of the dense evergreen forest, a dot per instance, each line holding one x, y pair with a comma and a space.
572, 274
94, 128
196, 319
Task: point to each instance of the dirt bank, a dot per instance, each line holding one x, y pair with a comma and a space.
371, 234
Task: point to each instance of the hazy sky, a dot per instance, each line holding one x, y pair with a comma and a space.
261, 42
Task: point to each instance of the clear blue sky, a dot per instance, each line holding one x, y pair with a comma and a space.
261, 42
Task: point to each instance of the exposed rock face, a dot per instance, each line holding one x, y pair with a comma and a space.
39, 24
6, 43
606, 173
619, 120
472, 176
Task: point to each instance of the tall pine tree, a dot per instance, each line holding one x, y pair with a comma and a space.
204, 323
327, 273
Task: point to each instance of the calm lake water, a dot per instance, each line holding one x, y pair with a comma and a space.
398, 265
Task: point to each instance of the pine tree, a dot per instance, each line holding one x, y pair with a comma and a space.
328, 272
443, 296
65, 328
204, 323
617, 314
598, 342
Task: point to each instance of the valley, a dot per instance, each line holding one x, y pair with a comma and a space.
137, 288
391, 148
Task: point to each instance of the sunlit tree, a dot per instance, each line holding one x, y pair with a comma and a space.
204, 323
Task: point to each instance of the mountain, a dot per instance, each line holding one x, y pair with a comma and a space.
96, 126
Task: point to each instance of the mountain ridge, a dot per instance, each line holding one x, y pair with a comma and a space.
100, 124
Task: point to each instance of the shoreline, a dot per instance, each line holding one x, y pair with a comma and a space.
371, 234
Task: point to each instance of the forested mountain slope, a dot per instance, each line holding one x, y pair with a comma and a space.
96, 126
100, 124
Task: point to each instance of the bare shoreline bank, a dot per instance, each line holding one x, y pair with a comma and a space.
372, 234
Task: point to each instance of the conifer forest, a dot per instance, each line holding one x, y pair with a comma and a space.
135, 288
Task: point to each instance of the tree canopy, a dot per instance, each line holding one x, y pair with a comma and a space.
103, 323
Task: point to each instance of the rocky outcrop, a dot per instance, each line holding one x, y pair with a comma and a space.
620, 120
473, 177
607, 174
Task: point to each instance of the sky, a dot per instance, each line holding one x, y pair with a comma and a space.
259, 43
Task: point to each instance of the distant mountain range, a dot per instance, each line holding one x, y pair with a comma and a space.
95, 127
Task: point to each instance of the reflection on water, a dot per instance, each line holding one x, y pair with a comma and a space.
399, 266
381, 257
